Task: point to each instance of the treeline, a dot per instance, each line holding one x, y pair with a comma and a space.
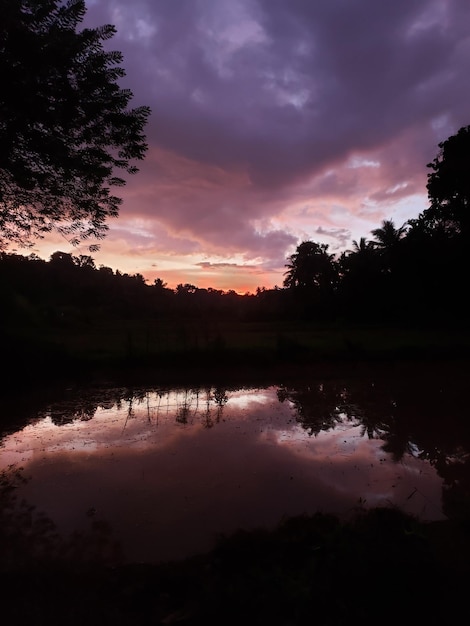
405, 274
68, 290
415, 273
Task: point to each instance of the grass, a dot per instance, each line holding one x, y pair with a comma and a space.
152, 342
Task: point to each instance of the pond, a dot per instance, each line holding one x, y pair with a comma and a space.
165, 471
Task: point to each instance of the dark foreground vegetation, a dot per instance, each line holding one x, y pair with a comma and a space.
379, 566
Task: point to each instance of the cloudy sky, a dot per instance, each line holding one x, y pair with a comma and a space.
277, 121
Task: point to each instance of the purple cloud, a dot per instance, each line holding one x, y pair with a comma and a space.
261, 107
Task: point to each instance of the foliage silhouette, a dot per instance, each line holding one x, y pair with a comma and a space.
387, 237
310, 267
311, 275
449, 186
66, 127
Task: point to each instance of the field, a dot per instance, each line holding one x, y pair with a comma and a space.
190, 348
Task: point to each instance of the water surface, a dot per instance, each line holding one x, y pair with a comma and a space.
169, 470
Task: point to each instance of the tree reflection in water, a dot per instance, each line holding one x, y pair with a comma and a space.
422, 415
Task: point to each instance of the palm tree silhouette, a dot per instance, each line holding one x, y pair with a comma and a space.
311, 266
362, 246
387, 242
387, 236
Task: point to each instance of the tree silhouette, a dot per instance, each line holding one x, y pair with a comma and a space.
387, 237
437, 242
360, 289
361, 258
159, 284
388, 242
310, 267
65, 125
363, 246
311, 278
449, 186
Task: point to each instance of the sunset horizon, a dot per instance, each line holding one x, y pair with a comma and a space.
273, 124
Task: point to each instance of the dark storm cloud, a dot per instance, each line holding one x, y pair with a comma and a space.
286, 87
285, 90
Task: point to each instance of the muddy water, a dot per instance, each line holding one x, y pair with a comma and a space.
168, 470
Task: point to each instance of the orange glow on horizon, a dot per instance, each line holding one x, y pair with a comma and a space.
239, 282
238, 278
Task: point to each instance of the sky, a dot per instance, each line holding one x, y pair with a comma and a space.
274, 122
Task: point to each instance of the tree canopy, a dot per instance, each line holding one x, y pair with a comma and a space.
65, 123
449, 187
387, 237
311, 266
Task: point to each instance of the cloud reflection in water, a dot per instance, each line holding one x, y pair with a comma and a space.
169, 470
